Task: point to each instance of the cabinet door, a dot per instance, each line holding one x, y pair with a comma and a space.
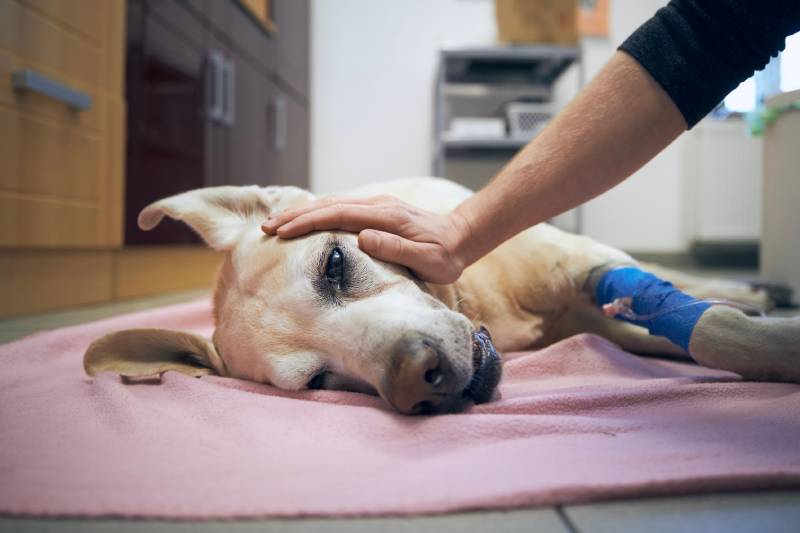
61, 174
289, 141
248, 133
291, 42
252, 39
166, 96
218, 56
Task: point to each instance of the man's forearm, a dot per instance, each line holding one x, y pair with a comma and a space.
617, 123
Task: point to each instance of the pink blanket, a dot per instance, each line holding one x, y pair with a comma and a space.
579, 421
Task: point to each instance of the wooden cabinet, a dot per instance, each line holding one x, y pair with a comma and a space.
214, 99
184, 94
61, 174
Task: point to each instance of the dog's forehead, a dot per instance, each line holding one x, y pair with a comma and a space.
260, 256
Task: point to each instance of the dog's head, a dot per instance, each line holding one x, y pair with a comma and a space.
313, 312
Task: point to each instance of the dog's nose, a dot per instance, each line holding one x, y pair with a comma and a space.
420, 380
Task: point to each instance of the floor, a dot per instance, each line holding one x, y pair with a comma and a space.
731, 513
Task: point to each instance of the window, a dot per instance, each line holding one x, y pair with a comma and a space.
790, 64
780, 75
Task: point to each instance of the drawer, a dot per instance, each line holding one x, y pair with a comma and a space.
49, 157
85, 17
37, 222
290, 142
61, 173
291, 43
79, 40
60, 185
44, 107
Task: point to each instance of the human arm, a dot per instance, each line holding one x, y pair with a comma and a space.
619, 121
686, 59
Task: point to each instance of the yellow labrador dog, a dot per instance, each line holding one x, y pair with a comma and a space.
316, 312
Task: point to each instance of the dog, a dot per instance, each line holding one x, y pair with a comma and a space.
317, 313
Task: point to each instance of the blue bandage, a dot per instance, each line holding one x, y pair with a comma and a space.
671, 316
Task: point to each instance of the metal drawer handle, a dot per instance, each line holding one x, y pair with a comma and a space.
215, 88
229, 77
280, 118
30, 80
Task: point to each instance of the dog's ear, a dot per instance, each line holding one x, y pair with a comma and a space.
137, 353
219, 214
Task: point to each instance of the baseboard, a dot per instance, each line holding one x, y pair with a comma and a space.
36, 281
725, 254
741, 254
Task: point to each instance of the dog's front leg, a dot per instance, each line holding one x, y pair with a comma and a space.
757, 348
718, 336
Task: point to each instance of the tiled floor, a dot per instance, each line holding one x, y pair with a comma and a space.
763, 512
767, 512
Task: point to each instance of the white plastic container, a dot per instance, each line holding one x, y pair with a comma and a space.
477, 128
527, 119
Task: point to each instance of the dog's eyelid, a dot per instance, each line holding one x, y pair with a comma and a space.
317, 382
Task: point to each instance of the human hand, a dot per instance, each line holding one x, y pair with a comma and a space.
431, 245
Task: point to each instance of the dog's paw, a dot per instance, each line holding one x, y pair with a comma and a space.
757, 348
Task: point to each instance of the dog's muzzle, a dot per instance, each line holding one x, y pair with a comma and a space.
487, 367
422, 379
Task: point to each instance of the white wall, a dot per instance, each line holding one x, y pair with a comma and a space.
373, 66
644, 212
372, 71
722, 182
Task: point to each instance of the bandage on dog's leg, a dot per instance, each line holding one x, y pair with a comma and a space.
655, 303
716, 336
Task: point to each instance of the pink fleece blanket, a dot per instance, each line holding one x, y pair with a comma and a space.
581, 420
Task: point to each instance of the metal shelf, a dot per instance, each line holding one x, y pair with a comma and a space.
483, 144
480, 81
484, 90
530, 65
511, 51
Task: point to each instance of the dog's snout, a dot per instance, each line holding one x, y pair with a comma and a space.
421, 380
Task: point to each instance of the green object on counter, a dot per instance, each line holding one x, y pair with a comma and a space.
759, 119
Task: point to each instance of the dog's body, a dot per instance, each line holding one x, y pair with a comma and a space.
316, 312
532, 290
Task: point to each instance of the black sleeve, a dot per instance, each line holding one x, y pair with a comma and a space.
700, 50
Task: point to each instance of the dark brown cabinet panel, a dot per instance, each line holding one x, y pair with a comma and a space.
213, 100
292, 42
165, 95
289, 134
248, 136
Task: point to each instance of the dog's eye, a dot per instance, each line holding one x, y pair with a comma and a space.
317, 382
334, 270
